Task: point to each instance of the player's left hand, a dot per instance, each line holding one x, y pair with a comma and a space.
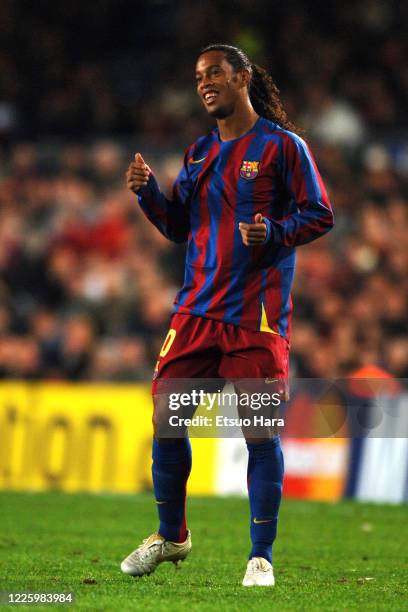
253, 233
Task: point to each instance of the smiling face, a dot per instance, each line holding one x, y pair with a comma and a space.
219, 87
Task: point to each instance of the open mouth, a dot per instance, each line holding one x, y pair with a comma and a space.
210, 97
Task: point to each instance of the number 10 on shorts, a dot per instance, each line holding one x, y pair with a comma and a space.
168, 342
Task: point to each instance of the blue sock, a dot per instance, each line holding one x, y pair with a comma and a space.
170, 470
265, 479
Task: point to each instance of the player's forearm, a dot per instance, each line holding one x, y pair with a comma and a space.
169, 217
301, 227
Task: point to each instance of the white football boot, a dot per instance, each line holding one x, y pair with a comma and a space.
153, 551
259, 572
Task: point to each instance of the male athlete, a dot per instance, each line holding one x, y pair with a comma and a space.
248, 194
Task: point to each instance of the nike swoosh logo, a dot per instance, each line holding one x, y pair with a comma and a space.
258, 522
196, 161
157, 502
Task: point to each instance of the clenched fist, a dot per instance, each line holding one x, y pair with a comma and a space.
137, 174
253, 233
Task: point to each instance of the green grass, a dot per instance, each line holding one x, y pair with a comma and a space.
323, 557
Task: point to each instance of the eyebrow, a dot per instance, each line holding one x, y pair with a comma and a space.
210, 67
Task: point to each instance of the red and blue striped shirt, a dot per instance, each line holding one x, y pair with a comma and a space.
268, 170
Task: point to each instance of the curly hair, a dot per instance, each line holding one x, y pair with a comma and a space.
263, 92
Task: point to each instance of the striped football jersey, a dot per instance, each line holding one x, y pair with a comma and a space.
268, 170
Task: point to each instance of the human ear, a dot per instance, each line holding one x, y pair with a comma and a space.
246, 77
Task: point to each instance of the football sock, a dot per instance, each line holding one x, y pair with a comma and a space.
265, 479
170, 469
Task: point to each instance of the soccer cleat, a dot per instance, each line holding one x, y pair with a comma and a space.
153, 551
259, 572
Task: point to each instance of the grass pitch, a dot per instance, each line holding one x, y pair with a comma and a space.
346, 556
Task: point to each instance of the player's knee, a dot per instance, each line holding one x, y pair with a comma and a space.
156, 423
160, 417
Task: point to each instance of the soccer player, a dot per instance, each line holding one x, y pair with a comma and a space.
247, 195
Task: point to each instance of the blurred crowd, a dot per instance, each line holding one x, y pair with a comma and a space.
351, 290
86, 283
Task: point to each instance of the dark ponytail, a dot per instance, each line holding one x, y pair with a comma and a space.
263, 93
264, 96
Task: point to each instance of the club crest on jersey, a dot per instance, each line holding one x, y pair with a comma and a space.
249, 169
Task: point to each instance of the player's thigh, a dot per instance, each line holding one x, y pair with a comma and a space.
175, 403
257, 362
188, 351
188, 362
259, 406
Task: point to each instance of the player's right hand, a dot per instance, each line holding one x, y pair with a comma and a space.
137, 174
